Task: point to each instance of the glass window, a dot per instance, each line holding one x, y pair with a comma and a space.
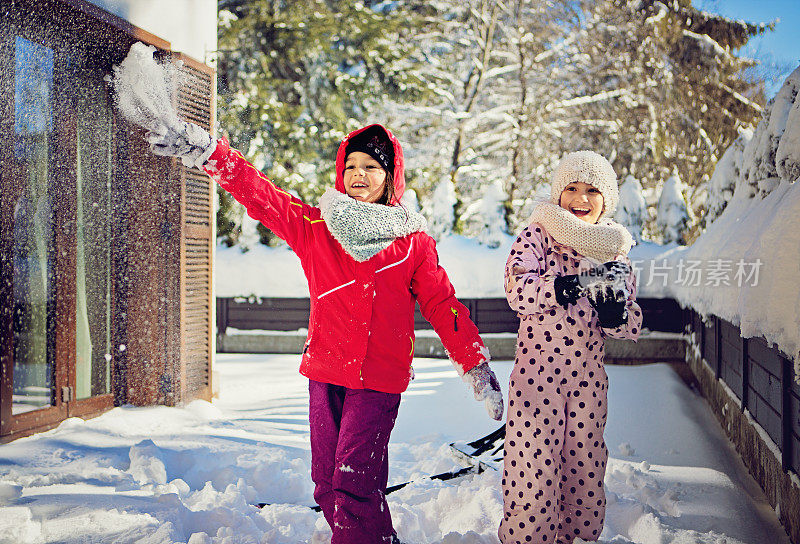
33, 228
93, 304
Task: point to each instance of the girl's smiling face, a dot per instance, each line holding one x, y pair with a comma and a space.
364, 177
582, 200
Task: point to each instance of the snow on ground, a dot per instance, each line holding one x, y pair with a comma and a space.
163, 475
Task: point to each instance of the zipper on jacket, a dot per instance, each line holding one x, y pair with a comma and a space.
455, 319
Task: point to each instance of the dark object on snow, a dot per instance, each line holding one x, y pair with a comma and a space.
475, 469
492, 442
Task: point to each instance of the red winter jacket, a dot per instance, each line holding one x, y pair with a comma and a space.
361, 328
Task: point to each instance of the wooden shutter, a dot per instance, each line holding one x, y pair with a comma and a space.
192, 354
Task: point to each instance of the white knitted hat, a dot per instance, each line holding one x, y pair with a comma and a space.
588, 167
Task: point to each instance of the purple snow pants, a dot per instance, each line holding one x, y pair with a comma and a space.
350, 431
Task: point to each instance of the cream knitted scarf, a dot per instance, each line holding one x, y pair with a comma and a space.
601, 241
364, 229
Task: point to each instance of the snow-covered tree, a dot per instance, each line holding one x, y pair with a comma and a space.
295, 77
667, 79
250, 236
440, 209
726, 174
410, 200
787, 155
520, 83
632, 208
485, 219
771, 155
673, 216
480, 91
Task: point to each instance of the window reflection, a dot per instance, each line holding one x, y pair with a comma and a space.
33, 228
93, 243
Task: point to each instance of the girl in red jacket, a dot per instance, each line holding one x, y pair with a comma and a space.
367, 260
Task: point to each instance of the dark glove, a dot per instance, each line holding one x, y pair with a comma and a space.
611, 313
568, 289
614, 270
191, 143
485, 387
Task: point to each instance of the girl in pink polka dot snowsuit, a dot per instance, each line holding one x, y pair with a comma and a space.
568, 303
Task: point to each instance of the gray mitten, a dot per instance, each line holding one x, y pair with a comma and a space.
485, 387
191, 143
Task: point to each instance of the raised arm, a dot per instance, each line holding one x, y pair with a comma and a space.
281, 212
285, 215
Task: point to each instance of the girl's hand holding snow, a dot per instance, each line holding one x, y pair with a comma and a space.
571, 287
191, 143
486, 388
610, 306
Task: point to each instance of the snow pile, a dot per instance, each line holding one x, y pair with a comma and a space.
164, 475
144, 88
748, 267
146, 465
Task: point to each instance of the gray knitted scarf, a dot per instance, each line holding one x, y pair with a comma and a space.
364, 229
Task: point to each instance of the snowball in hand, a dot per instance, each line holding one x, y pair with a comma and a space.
144, 87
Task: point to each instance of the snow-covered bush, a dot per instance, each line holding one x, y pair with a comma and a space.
440, 210
766, 161
250, 237
410, 200
787, 158
750, 269
726, 174
486, 218
673, 216
632, 208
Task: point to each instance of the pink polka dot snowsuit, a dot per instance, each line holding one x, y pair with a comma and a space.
555, 456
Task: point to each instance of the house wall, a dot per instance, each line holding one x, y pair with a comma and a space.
189, 25
149, 338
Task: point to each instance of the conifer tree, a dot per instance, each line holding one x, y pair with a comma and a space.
632, 208
673, 215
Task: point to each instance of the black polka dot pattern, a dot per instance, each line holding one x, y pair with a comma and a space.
555, 456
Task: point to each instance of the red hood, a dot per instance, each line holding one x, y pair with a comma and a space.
399, 163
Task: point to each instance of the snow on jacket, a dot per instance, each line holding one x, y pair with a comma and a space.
361, 327
532, 296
